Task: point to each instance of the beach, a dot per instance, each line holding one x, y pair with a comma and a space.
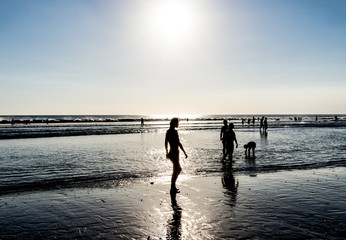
304, 204
105, 104
112, 181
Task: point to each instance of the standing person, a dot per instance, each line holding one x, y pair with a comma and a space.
230, 138
172, 138
261, 123
265, 123
222, 135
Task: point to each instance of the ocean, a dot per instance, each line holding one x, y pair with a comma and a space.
57, 152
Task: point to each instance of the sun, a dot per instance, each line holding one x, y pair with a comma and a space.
172, 21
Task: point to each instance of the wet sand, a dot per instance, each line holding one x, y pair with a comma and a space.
308, 204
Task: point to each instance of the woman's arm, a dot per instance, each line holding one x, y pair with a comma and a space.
182, 148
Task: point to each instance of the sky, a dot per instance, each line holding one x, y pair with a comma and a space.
172, 57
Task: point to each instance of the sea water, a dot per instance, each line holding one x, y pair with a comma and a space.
65, 152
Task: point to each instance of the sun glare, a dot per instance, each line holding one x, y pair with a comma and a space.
172, 21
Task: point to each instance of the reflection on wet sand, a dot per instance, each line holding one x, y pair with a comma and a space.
267, 207
174, 224
251, 165
230, 183
264, 138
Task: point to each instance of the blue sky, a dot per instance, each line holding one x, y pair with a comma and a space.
194, 57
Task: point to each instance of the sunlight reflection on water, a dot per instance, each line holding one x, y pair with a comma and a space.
126, 156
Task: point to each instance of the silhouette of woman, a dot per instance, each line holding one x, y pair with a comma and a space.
230, 138
172, 138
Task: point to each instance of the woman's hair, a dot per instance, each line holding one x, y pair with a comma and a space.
174, 122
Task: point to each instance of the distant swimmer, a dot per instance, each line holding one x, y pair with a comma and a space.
172, 138
229, 139
248, 147
224, 129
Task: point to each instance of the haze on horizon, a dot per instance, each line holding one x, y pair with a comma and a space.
172, 57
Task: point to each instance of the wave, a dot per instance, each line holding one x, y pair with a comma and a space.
111, 180
307, 166
65, 133
15, 131
27, 119
105, 180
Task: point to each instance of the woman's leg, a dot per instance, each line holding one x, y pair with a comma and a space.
231, 150
176, 172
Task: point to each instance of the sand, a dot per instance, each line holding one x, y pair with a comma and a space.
308, 204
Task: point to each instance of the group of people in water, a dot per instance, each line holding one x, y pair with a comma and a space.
227, 136
263, 122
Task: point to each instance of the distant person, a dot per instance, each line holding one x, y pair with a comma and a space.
253, 120
242, 121
229, 139
265, 125
248, 147
142, 122
224, 129
172, 138
336, 118
261, 123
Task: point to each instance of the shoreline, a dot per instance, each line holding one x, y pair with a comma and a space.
285, 204
27, 131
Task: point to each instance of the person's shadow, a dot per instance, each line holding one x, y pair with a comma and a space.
174, 224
